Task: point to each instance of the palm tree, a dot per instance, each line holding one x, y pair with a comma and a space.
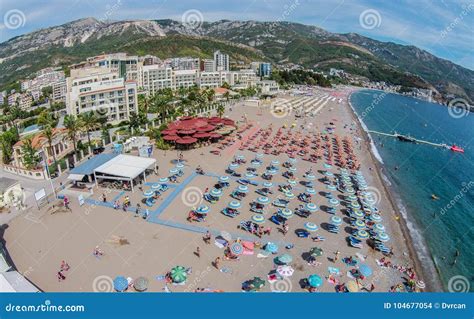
30, 157
220, 110
48, 133
88, 122
72, 124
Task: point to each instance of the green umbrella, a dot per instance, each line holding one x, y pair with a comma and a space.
257, 283
316, 252
178, 274
285, 259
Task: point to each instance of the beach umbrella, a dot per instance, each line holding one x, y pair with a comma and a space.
344, 171
163, 180
311, 207
290, 195
286, 213
316, 252
240, 157
216, 192
420, 284
379, 228
271, 171
336, 220
291, 182
259, 219
365, 270
333, 202
173, 171
236, 248
359, 224
311, 191
315, 281
327, 166
275, 162
224, 179
268, 184
204, 209
263, 200
328, 174
179, 165
148, 193
362, 234
285, 270
178, 274
259, 156
140, 284
249, 175
352, 286
350, 190
376, 218
233, 166
255, 163
285, 259
309, 226
257, 283
155, 186
311, 177
358, 214
292, 160
243, 188
120, 283
234, 204
271, 247
292, 169
355, 205
331, 187
352, 197
383, 237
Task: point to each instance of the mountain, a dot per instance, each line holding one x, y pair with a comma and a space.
278, 42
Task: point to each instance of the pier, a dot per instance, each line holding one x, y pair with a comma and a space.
414, 140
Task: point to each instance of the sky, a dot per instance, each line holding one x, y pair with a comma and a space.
444, 28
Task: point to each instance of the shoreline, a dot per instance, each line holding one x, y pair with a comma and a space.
402, 222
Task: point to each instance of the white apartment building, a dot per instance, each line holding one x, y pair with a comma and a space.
184, 78
211, 79
221, 61
59, 91
184, 63
207, 65
124, 65
44, 78
102, 91
155, 77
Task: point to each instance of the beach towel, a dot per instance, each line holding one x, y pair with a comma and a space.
220, 243
333, 280
263, 255
160, 278
272, 278
248, 247
226, 270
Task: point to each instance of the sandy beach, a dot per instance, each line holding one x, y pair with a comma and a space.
135, 247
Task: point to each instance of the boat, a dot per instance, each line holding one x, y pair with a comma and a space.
456, 148
405, 138
434, 197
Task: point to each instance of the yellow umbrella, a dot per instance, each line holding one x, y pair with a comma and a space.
352, 286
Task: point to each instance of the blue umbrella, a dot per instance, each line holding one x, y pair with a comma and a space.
249, 175
376, 218
216, 192
271, 247
311, 226
179, 165
383, 237
275, 162
268, 184
291, 182
290, 195
204, 209
327, 166
234, 204
311, 207
173, 171
233, 165
333, 202
311, 191
292, 169
155, 186
358, 214
259, 155
263, 199
315, 281
223, 178
362, 234
163, 180
336, 220
311, 177
331, 187
243, 188
328, 173
286, 213
359, 224
271, 171
240, 156
148, 193
355, 205
236, 248
285, 259
120, 283
379, 228
352, 197
256, 164
350, 190
259, 219
365, 270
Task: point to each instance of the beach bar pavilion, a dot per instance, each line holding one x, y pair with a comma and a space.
124, 168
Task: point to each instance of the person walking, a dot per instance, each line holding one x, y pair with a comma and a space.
137, 210
336, 255
198, 252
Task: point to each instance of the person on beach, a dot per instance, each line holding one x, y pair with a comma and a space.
217, 262
145, 214
336, 255
97, 252
64, 266
198, 252
207, 238
116, 204
104, 198
137, 210
66, 203
285, 228
60, 276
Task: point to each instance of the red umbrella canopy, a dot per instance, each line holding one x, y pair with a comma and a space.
215, 135
186, 132
188, 140
201, 135
168, 132
170, 137
206, 128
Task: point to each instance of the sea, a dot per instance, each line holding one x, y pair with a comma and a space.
442, 229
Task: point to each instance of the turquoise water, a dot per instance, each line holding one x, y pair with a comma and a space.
441, 228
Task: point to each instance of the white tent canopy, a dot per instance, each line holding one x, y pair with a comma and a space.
124, 167
13, 281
